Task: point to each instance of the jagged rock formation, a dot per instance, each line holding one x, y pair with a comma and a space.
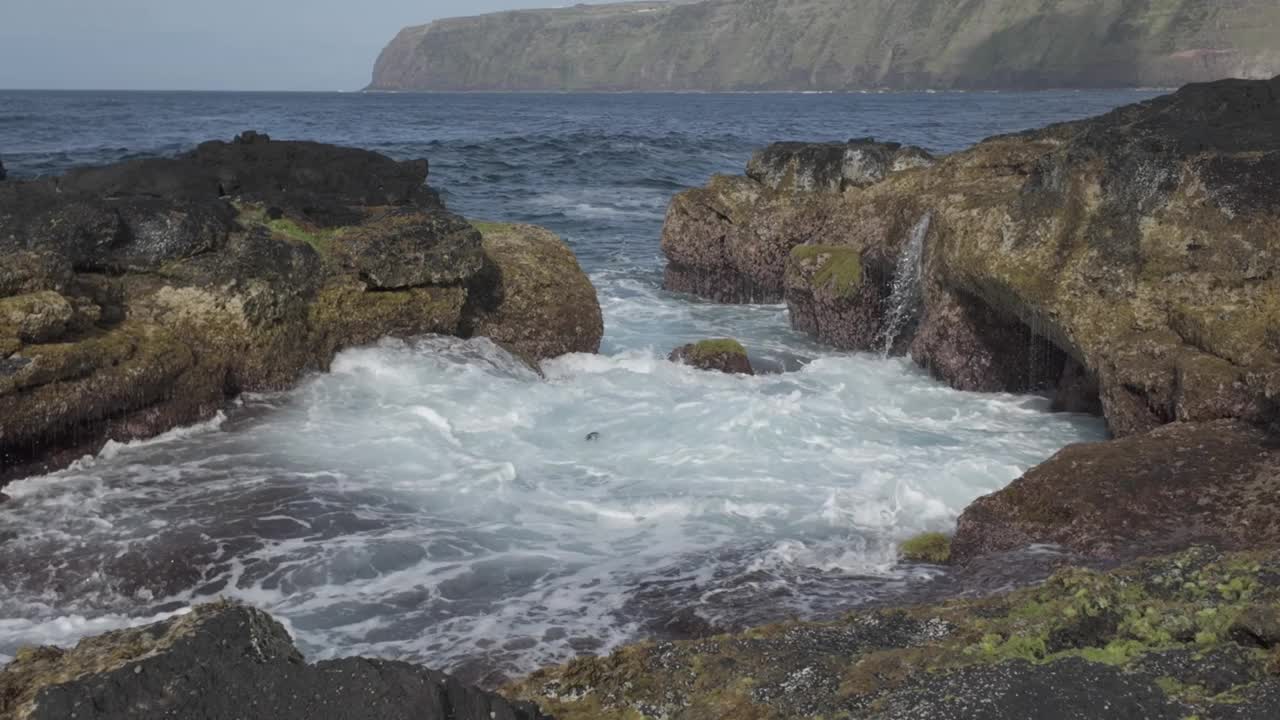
1127, 263
229, 662
1190, 635
1128, 260
825, 45
141, 296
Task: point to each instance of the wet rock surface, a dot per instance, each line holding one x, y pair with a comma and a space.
724, 355
1153, 639
1129, 258
141, 296
228, 661
1180, 484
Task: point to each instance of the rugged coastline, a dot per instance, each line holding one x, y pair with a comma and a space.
1124, 264
810, 45
143, 296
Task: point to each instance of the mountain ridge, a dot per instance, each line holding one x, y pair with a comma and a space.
762, 45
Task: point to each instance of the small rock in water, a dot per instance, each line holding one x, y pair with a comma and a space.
592, 436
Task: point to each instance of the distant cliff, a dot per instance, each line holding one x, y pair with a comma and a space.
840, 45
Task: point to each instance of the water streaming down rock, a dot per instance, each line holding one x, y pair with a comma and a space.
904, 301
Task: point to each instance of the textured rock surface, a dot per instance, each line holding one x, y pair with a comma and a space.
141, 296
1183, 636
1129, 260
824, 45
831, 167
229, 662
724, 355
531, 296
1181, 484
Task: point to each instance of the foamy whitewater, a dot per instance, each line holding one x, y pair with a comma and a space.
434, 499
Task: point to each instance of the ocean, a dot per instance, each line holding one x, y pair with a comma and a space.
432, 499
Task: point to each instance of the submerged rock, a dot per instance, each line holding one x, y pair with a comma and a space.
1165, 639
230, 662
725, 355
141, 296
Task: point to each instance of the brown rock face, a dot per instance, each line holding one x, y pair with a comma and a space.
141, 296
1185, 483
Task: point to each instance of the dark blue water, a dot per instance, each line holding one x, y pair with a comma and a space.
434, 500
596, 168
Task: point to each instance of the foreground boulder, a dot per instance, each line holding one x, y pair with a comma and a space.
531, 295
725, 355
1189, 635
141, 296
1183, 483
1129, 261
230, 662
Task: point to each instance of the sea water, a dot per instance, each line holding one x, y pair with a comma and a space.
433, 499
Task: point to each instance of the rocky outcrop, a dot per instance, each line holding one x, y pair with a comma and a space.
141, 296
818, 45
831, 167
230, 662
1129, 260
531, 294
1189, 635
723, 355
1185, 483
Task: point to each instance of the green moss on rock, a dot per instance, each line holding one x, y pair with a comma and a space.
931, 547
838, 269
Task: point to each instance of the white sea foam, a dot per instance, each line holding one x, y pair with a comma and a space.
435, 499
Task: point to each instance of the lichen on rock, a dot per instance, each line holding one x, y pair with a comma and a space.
140, 296
724, 355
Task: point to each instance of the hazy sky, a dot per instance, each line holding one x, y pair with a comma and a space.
210, 44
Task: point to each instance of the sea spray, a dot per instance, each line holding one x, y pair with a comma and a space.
904, 300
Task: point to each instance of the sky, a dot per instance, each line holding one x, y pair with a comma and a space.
210, 44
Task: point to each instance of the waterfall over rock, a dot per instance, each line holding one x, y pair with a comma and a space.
904, 301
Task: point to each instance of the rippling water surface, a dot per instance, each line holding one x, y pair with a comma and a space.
434, 500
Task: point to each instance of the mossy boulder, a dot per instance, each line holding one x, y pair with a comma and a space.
831, 167
225, 661
1159, 639
531, 295
724, 355
125, 314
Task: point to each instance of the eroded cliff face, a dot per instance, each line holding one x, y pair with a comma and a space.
831, 45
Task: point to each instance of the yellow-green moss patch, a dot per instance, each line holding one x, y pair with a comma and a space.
931, 547
839, 269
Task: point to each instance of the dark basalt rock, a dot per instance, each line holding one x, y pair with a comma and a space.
726, 356
408, 247
230, 662
141, 296
3, 175
831, 167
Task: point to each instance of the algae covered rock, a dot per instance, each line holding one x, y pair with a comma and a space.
1126, 263
724, 355
141, 296
831, 167
1162, 639
531, 295
409, 248
225, 661
932, 547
